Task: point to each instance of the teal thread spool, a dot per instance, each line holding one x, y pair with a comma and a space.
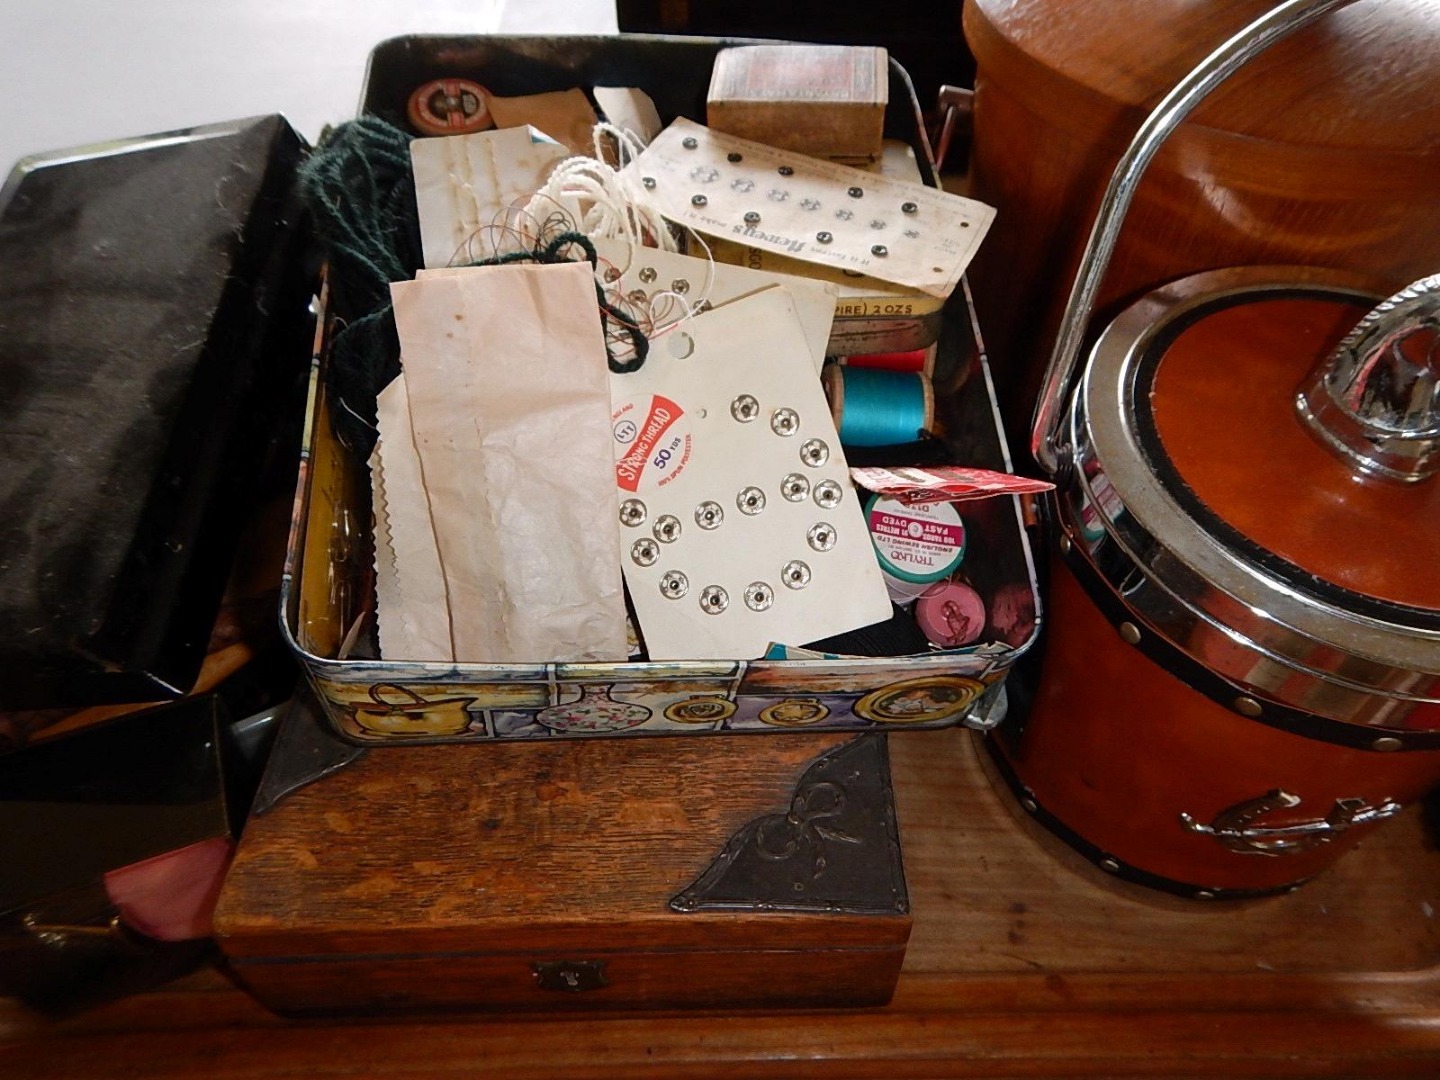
874, 407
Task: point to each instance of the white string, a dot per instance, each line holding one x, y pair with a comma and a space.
602, 200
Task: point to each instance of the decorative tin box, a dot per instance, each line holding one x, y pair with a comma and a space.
326, 587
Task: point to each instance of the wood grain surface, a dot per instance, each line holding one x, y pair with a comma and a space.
1020, 965
1324, 151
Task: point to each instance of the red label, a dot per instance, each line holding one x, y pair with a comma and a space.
662, 416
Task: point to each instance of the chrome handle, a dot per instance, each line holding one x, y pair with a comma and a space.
1278, 23
1233, 826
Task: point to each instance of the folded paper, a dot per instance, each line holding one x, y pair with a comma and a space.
508, 387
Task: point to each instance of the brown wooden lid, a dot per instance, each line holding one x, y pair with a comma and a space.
1222, 401
1363, 77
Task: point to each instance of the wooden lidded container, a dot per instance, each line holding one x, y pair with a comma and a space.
1324, 152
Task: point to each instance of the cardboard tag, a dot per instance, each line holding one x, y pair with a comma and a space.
809, 209
465, 186
739, 524
630, 272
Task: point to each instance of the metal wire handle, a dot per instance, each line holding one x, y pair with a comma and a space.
1278, 23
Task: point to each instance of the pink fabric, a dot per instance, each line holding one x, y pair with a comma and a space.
172, 896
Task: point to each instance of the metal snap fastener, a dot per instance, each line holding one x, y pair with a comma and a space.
908, 208
856, 192
674, 585
821, 536
879, 251
644, 551
814, 453
647, 274
632, 512
828, 494
823, 238
698, 200
795, 574
709, 515
689, 143
751, 500
785, 170
785, 422
752, 218
744, 408
714, 599
648, 181
795, 487
667, 529
759, 596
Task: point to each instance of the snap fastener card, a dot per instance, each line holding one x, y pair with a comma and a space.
645, 275
809, 209
739, 525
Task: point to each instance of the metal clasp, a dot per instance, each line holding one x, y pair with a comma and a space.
1233, 828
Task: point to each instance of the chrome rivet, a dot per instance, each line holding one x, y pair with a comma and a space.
632, 512
828, 494
674, 585
908, 208
744, 408
785, 170
1065, 545
856, 192
698, 200
879, 251
1030, 804
689, 143
823, 237
1246, 706
785, 422
1111, 865
667, 529
647, 274
751, 501
821, 536
714, 599
1387, 743
648, 181
795, 487
1129, 633
759, 596
709, 515
814, 453
795, 574
680, 285
644, 551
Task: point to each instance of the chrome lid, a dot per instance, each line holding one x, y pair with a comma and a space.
1247, 614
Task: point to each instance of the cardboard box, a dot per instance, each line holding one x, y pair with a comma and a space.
826, 101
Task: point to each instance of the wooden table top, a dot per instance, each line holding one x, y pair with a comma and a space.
1021, 964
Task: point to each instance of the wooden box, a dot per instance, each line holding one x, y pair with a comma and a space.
827, 101
661, 873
